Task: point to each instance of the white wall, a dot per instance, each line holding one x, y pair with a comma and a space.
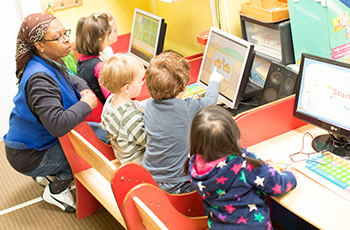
11, 16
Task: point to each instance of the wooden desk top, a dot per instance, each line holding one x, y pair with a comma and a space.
310, 200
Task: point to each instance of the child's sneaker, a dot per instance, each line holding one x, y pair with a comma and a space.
63, 200
43, 181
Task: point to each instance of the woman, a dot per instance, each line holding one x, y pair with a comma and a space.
49, 103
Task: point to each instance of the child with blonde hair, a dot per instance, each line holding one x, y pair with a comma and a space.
121, 116
168, 119
232, 182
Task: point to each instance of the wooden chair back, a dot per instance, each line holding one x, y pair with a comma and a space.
131, 174
76, 162
157, 212
93, 156
84, 150
86, 202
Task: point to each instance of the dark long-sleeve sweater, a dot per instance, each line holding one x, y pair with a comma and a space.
44, 99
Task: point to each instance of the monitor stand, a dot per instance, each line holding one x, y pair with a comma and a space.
324, 142
243, 106
252, 90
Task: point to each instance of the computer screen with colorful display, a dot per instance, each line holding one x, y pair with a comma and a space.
233, 58
147, 36
323, 99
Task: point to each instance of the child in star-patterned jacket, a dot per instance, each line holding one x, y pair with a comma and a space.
232, 182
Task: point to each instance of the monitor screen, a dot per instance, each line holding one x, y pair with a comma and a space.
323, 99
233, 58
147, 36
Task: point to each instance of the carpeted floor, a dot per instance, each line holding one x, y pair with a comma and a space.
17, 189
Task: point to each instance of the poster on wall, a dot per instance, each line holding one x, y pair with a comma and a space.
327, 31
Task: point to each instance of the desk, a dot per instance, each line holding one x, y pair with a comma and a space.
310, 201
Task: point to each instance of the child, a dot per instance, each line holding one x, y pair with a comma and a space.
168, 119
112, 38
91, 39
121, 116
231, 180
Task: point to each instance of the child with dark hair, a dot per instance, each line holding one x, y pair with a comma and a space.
91, 39
168, 119
232, 182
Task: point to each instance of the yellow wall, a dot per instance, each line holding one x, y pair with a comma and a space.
122, 10
185, 19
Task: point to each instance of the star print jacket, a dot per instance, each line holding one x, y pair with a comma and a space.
234, 192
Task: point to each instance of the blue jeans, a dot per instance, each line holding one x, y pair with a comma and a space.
54, 161
176, 188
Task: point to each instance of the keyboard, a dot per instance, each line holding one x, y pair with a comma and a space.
193, 90
332, 167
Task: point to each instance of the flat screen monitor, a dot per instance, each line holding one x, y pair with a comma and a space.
323, 99
233, 58
147, 36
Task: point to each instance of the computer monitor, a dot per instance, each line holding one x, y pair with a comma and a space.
323, 99
147, 36
233, 57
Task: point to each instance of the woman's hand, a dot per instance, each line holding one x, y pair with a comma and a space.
89, 97
85, 91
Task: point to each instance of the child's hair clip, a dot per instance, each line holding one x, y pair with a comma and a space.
95, 17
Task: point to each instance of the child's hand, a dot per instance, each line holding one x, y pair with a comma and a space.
215, 76
280, 166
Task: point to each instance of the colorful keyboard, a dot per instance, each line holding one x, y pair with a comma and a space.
331, 167
192, 90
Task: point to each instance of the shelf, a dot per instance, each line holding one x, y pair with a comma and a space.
268, 15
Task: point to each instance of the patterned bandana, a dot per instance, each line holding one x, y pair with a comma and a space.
33, 29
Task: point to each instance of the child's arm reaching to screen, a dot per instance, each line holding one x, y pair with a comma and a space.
215, 76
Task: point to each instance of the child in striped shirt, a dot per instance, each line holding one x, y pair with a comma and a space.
121, 116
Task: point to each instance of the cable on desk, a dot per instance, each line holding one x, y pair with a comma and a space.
324, 151
307, 154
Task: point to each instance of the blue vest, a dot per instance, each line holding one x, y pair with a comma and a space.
26, 131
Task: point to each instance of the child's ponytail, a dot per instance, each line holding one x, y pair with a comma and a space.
186, 166
253, 162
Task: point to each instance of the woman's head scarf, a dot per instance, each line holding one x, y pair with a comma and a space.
33, 29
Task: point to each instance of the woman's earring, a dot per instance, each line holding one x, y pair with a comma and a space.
42, 51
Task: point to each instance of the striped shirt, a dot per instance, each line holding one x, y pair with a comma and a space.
125, 129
